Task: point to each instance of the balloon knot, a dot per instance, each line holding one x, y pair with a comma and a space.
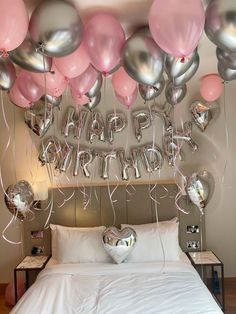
182, 59
4, 53
105, 73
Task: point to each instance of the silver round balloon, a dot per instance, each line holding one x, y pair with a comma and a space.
28, 58
56, 27
201, 114
143, 60
148, 92
52, 100
175, 95
185, 77
7, 74
226, 73
96, 87
220, 25
93, 102
175, 67
226, 57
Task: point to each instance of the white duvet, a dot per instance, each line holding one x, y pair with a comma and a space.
141, 288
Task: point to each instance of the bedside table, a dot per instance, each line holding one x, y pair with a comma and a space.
209, 259
29, 263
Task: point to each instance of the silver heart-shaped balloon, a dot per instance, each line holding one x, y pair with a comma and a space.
95, 89
226, 57
119, 243
148, 92
52, 100
94, 101
175, 94
39, 120
226, 73
27, 57
7, 73
19, 198
201, 114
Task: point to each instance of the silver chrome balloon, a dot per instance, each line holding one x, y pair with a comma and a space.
227, 58
39, 119
143, 60
49, 151
186, 135
95, 89
152, 157
64, 157
201, 114
56, 27
28, 58
19, 199
84, 157
74, 122
127, 163
164, 114
148, 92
94, 101
141, 121
105, 162
186, 76
96, 127
220, 24
7, 73
226, 73
172, 150
119, 243
52, 100
116, 122
175, 95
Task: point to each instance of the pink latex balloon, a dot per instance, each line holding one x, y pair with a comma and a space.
211, 87
177, 25
84, 82
79, 99
74, 64
28, 88
18, 99
122, 83
104, 39
10, 292
128, 101
14, 24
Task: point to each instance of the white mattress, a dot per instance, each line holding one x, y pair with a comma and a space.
141, 288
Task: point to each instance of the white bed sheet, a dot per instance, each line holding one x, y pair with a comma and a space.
141, 288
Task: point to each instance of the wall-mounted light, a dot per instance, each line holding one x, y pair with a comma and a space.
40, 189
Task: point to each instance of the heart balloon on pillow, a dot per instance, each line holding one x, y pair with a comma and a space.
119, 243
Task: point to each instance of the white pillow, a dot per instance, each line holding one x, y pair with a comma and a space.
150, 240
78, 245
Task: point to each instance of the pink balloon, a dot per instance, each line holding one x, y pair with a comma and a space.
73, 64
14, 24
104, 40
128, 101
28, 88
79, 99
211, 87
18, 99
177, 25
59, 90
10, 292
122, 83
84, 82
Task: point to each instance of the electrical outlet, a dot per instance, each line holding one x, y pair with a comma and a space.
193, 245
192, 229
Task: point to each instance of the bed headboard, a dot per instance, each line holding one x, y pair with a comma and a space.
132, 206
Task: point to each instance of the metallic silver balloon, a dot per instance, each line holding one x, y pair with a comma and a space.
116, 122
226, 73
49, 151
175, 67
152, 157
226, 57
172, 150
28, 58
96, 127
143, 60
186, 135
175, 95
7, 73
52, 100
189, 73
148, 92
39, 119
84, 157
206, 3
201, 114
95, 89
64, 157
164, 114
119, 243
198, 190
220, 24
19, 199
74, 122
56, 27
94, 101
141, 121
105, 162
127, 163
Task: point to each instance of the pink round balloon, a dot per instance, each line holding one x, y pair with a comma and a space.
74, 64
211, 87
104, 40
84, 82
10, 292
128, 101
79, 99
59, 90
14, 24
122, 83
18, 99
177, 25
28, 88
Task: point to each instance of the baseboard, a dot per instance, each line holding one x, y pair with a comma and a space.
3, 287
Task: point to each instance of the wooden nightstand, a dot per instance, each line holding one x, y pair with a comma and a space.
206, 259
29, 263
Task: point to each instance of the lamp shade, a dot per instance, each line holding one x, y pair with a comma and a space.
40, 190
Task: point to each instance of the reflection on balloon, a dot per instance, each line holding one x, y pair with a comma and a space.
227, 58
17, 98
29, 89
7, 74
95, 89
